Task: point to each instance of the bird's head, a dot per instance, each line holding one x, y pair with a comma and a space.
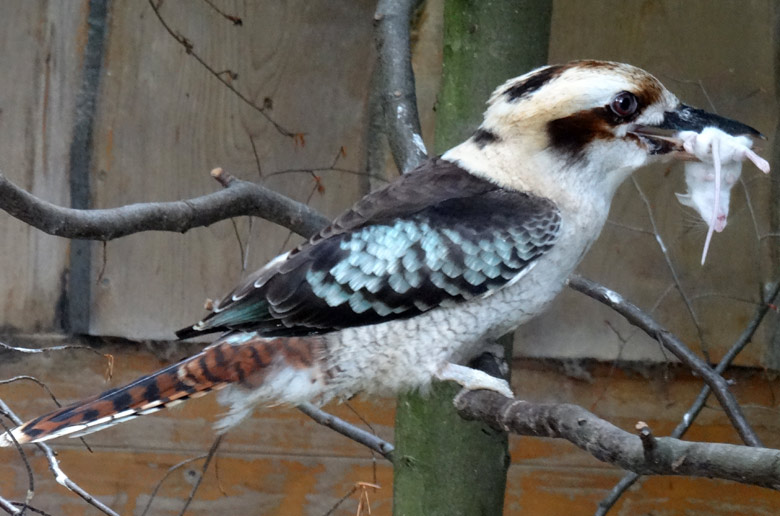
591, 122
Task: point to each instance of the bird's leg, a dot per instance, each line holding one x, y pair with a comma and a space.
473, 379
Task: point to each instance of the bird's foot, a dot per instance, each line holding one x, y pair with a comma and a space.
473, 379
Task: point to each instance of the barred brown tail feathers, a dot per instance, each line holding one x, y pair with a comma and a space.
241, 359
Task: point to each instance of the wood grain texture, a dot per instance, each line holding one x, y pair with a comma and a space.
41, 44
164, 122
699, 50
281, 463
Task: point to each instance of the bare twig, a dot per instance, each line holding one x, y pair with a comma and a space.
35, 380
327, 168
23, 455
51, 394
235, 20
190, 49
10, 509
165, 476
669, 264
643, 320
358, 435
109, 358
209, 456
60, 475
392, 20
237, 198
32, 509
692, 413
608, 443
341, 500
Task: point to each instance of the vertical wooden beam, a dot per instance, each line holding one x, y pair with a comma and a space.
78, 298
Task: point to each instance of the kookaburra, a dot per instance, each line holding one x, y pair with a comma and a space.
409, 284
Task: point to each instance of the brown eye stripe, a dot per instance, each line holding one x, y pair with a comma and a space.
572, 133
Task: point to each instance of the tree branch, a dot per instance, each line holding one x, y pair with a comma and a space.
237, 198
358, 435
690, 416
643, 320
391, 22
8, 506
608, 443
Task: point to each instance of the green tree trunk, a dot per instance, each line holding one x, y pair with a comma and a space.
444, 465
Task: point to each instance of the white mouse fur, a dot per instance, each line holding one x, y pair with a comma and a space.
711, 179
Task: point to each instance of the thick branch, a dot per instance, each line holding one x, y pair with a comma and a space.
690, 416
608, 443
643, 321
236, 199
392, 20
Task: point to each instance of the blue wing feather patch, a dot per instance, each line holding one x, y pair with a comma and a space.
430, 239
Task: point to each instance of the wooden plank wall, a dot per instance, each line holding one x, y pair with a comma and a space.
280, 463
40, 50
716, 56
163, 122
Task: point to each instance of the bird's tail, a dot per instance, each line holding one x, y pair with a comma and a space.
255, 365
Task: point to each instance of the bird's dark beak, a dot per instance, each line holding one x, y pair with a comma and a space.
664, 137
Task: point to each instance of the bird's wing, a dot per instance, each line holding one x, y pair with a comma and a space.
436, 237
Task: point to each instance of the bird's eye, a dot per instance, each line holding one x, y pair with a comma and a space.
624, 104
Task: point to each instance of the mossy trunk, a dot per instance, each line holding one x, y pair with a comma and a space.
444, 465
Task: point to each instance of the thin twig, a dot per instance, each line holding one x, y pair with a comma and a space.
643, 320
190, 49
25, 460
749, 204
50, 393
165, 476
629, 228
62, 347
240, 243
358, 435
692, 413
328, 168
256, 155
33, 509
235, 20
9, 507
60, 475
669, 264
209, 456
341, 500
34, 380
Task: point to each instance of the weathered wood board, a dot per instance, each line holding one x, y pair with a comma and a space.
713, 55
281, 463
41, 44
164, 122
